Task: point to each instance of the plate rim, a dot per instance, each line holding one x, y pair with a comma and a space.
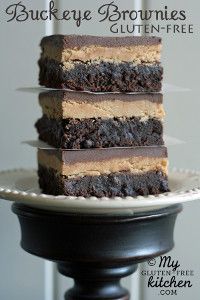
105, 203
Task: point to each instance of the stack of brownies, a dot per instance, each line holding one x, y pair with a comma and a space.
107, 132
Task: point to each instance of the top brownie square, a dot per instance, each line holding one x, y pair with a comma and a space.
101, 64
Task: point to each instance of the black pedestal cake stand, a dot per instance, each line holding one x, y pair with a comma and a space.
96, 250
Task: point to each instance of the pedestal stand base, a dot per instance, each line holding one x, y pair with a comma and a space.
96, 250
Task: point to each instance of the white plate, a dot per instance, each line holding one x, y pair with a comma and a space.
22, 186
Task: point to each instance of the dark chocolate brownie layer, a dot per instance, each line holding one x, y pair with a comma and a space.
100, 133
115, 184
101, 76
72, 41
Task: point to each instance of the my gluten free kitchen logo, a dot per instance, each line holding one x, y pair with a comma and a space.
166, 276
146, 21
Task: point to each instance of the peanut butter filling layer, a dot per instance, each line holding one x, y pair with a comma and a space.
57, 109
137, 53
136, 165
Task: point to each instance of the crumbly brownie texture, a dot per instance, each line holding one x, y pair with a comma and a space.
101, 76
100, 133
107, 185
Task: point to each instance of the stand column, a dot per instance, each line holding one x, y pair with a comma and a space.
96, 282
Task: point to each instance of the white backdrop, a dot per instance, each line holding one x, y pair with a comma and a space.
22, 275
